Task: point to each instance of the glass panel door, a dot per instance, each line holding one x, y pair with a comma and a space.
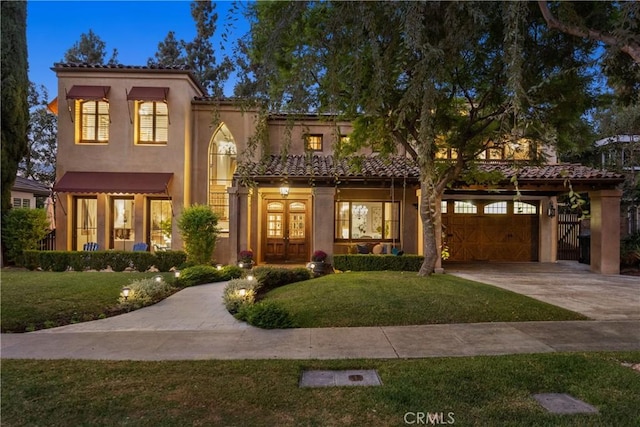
85, 218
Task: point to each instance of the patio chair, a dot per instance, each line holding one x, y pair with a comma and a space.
140, 246
90, 246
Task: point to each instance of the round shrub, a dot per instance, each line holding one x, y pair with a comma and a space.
198, 275
145, 292
268, 315
239, 293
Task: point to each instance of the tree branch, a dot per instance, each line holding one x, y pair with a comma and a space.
630, 48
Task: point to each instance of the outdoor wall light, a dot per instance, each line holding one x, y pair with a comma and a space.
125, 292
284, 191
551, 210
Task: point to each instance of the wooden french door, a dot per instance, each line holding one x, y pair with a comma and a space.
286, 231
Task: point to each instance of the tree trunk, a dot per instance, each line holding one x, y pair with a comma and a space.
428, 215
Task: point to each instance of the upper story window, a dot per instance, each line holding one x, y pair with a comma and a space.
151, 114
153, 123
313, 142
521, 150
91, 113
94, 121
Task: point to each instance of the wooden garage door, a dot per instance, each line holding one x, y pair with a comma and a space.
491, 230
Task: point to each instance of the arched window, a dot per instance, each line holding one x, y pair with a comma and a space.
222, 165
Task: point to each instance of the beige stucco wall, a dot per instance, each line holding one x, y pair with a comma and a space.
605, 231
121, 154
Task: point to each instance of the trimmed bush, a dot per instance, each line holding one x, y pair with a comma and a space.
274, 277
363, 262
99, 260
239, 293
118, 260
78, 261
54, 260
142, 261
230, 272
198, 275
266, 315
145, 292
167, 260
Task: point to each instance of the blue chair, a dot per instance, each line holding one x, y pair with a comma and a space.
90, 246
141, 246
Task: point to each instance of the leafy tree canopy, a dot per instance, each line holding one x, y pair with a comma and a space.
90, 49
39, 163
423, 76
199, 53
614, 24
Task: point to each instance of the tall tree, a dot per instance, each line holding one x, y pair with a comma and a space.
169, 52
39, 163
15, 87
615, 25
426, 76
90, 49
199, 53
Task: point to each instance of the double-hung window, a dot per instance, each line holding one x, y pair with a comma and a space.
151, 114
94, 121
153, 122
91, 114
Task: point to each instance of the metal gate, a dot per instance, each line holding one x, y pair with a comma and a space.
568, 233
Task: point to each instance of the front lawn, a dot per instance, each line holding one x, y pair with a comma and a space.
480, 391
35, 300
385, 298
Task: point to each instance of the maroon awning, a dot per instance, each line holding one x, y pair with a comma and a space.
147, 93
114, 182
88, 92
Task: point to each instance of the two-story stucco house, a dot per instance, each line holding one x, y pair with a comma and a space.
139, 144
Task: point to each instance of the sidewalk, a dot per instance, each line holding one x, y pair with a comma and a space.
193, 325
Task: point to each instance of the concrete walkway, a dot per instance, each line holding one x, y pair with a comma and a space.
193, 324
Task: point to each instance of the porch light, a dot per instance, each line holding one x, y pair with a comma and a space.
125, 292
284, 191
551, 210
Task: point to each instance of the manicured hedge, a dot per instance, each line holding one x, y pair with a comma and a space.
377, 262
99, 260
274, 277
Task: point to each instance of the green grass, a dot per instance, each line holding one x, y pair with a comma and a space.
35, 300
480, 391
396, 298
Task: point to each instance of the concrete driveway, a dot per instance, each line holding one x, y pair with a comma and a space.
567, 284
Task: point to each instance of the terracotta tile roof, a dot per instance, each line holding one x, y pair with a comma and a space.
302, 166
86, 65
319, 166
559, 171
